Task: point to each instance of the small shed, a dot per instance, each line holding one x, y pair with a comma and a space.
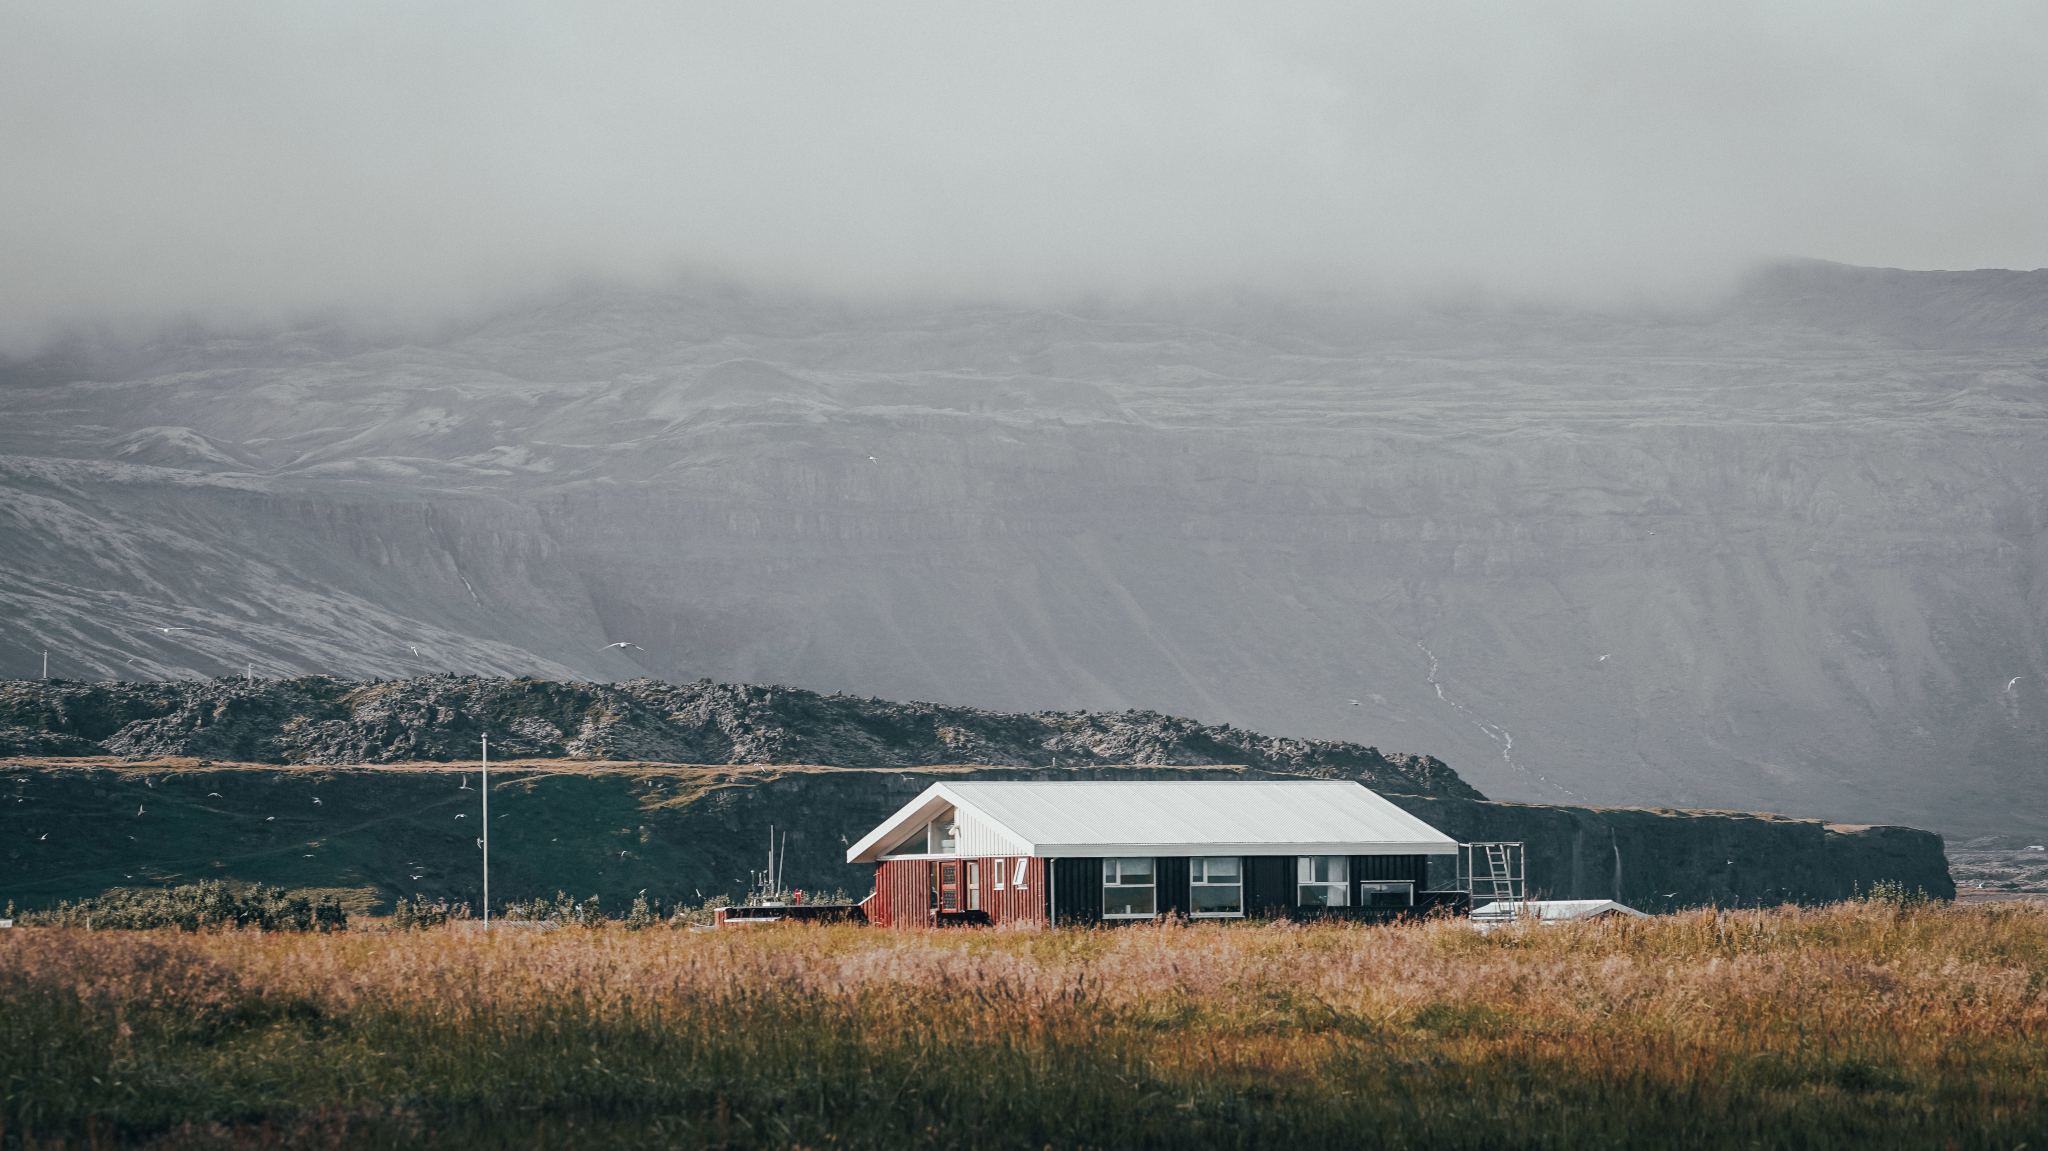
1120, 851
1553, 910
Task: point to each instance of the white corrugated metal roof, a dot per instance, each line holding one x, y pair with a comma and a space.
1554, 910
1231, 817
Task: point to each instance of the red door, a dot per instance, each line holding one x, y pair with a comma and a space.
949, 887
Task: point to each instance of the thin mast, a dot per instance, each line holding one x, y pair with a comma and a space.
487, 831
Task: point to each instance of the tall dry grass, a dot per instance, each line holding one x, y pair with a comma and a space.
1859, 1025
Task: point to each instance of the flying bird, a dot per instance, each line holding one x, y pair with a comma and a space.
316, 799
138, 809
1603, 658
462, 817
270, 819
42, 837
871, 459
417, 877
1669, 895
213, 795
2013, 680
1354, 703
634, 646
415, 649
169, 630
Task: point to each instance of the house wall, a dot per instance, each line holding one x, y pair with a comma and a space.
1012, 904
904, 889
1077, 890
903, 893
978, 839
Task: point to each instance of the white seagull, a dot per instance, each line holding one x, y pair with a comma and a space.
634, 646
316, 799
1603, 659
2013, 680
138, 809
169, 630
213, 795
42, 837
1354, 703
415, 650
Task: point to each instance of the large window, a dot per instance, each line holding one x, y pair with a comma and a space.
1324, 880
1217, 884
1128, 889
1386, 893
936, 837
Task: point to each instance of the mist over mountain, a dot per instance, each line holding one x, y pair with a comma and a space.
1782, 554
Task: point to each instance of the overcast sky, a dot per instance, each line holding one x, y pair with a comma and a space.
238, 160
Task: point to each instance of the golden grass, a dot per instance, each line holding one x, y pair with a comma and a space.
1857, 1025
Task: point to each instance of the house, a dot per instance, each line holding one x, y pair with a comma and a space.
1116, 851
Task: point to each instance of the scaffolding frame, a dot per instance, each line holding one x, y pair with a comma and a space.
1494, 872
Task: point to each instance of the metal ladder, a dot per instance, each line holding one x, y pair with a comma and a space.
1498, 876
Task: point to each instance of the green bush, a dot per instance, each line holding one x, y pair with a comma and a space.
418, 914
1893, 893
212, 903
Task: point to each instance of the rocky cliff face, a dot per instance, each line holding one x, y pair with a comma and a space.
688, 833
318, 720
1782, 555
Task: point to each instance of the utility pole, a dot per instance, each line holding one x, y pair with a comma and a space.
46, 665
487, 833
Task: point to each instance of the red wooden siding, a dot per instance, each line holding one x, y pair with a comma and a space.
1011, 905
903, 891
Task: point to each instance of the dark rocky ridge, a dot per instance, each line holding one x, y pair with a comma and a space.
321, 720
685, 833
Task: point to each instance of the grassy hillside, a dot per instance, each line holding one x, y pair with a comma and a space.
76, 827
1864, 1025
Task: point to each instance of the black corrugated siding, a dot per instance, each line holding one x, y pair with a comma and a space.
1268, 884
1173, 876
1373, 867
1077, 890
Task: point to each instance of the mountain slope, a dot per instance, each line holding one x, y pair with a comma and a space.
1781, 555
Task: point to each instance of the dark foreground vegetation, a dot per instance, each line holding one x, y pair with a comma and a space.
1876, 1024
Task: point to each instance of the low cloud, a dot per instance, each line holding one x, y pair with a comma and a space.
246, 161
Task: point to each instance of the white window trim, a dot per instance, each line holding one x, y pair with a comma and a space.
1407, 884
1239, 913
1343, 885
998, 865
1022, 871
1154, 885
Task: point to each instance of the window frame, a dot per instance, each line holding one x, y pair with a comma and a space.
1342, 887
1199, 865
1377, 885
997, 865
971, 882
1152, 883
1017, 881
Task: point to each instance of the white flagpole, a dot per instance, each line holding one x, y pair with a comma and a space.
487, 831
